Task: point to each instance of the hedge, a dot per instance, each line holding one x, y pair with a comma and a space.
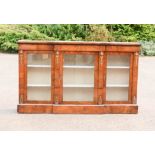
143, 33
10, 34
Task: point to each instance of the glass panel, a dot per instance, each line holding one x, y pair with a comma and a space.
118, 60
116, 94
78, 76
39, 93
78, 94
118, 76
39, 59
117, 80
39, 77
78, 60
78, 81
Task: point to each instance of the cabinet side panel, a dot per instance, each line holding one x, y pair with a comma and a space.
135, 77
21, 76
96, 79
52, 75
25, 75
130, 79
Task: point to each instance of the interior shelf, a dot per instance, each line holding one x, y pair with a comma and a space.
78, 85
38, 85
91, 85
82, 67
117, 85
118, 67
39, 66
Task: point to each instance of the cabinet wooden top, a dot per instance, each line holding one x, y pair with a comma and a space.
79, 43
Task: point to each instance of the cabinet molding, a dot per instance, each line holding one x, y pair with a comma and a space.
77, 77
78, 109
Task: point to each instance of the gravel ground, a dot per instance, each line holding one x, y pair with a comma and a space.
10, 120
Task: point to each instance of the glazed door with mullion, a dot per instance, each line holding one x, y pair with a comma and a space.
39, 77
80, 77
119, 69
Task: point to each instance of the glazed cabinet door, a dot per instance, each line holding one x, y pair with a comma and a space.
39, 78
119, 77
80, 78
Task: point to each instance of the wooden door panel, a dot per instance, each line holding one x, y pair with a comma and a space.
22, 73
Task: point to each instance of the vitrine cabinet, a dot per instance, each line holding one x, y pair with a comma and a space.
78, 77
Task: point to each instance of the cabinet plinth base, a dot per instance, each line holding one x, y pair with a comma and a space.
35, 108
78, 109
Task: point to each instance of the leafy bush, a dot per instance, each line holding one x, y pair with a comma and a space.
64, 31
132, 32
10, 34
98, 32
148, 48
144, 33
88, 32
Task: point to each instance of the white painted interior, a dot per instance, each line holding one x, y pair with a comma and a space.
78, 76
117, 76
117, 85
118, 67
39, 85
117, 94
79, 85
39, 76
39, 66
78, 94
39, 93
73, 66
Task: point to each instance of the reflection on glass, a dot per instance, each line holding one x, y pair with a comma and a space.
39, 77
78, 82
118, 60
78, 94
117, 80
78, 60
116, 94
118, 76
39, 93
78, 76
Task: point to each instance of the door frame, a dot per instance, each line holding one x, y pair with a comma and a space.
130, 77
25, 100
95, 98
